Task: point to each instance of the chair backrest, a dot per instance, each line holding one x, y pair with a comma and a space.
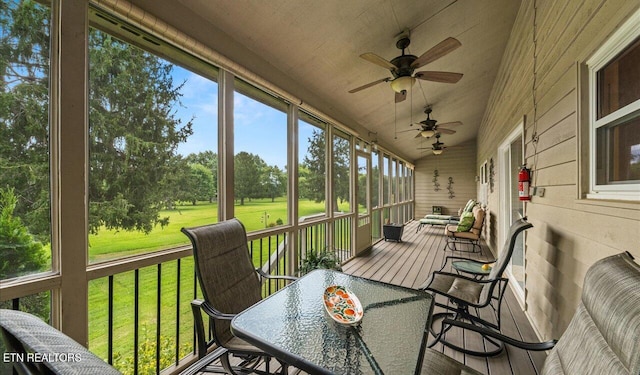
225, 272
504, 256
604, 335
478, 220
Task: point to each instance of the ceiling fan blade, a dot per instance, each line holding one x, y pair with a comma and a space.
453, 123
446, 131
369, 85
444, 77
373, 58
401, 96
436, 52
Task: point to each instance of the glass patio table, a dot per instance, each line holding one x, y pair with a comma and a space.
293, 325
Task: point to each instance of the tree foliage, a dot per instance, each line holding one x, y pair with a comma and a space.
249, 170
24, 110
313, 168
20, 252
314, 172
133, 134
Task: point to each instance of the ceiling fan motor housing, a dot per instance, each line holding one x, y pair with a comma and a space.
403, 65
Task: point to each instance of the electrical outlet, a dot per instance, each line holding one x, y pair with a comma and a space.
539, 191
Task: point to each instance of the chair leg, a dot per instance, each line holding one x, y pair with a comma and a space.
226, 364
461, 313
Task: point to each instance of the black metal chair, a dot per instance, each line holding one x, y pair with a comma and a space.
602, 337
229, 284
469, 237
466, 293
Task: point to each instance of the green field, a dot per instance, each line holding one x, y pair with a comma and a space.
108, 244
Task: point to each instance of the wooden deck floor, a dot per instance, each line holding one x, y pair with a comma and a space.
411, 262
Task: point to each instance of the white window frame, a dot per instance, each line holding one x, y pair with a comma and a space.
620, 40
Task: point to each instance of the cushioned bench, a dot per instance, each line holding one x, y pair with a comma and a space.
437, 219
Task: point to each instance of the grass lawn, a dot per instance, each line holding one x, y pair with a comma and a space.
108, 244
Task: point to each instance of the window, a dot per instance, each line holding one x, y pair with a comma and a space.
312, 175
260, 161
341, 172
614, 84
25, 208
375, 180
385, 180
152, 146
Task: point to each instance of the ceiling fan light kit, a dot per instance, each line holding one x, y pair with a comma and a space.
401, 84
427, 133
437, 151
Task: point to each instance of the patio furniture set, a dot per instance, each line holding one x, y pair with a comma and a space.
370, 326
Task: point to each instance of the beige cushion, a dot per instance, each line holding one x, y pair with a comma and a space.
456, 287
604, 334
478, 214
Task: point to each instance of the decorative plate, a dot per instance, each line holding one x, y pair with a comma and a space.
342, 305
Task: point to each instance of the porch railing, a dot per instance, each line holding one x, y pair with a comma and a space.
139, 309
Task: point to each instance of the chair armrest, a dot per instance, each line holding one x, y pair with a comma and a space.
198, 305
534, 346
212, 312
281, 277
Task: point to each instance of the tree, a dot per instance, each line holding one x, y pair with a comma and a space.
210, 160
199, 184
134, 131
275, 183
341, 168
249, 172
314, 165
20, 253
24, 111
133, 134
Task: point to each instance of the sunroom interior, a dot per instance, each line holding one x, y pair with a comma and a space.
125, 120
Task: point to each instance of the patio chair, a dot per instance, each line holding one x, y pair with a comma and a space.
229, 284
37, 348
467, 294
603, 336
464, 233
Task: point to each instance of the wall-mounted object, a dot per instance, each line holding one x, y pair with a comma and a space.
450, 188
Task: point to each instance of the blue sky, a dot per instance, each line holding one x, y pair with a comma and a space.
259, 129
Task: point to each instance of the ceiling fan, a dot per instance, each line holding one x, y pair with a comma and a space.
428, 127
402, 67
437, 147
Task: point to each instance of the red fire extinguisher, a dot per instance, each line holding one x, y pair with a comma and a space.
524, 177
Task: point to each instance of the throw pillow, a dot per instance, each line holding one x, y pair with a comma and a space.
466, 221
470, 204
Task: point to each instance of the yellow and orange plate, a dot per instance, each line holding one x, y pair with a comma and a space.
342, 305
